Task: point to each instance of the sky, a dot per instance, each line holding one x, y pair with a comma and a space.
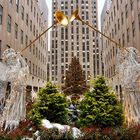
49, 4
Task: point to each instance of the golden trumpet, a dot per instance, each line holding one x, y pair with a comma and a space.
75, 16
60, 18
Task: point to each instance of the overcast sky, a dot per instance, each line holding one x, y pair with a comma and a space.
49, 3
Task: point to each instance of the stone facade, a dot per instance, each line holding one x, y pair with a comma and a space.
122, 24
75, 40
21, 21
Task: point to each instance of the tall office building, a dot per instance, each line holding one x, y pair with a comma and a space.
122, 23
75, 40
105, 12
21, 21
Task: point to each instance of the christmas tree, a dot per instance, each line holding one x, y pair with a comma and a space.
75, 82
50, 105
100, 107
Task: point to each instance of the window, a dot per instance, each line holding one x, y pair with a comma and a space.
30, 66
30, 47
31, 5
122, 17
133, 28
36, 70
36, 51
126, 10
87, 56
33, 68
22, 13
26, 40
27, 19
128, 35
9, 24
1, 14
34, 11
123, 42
114, 12
30, 25
33, 49
118, 24
34, 30
0, 47
17, 5
27, 2
112, 16
16, 31
21, 39
117, 5
131, 3
139, 20
115, 29
37, 17
10, 1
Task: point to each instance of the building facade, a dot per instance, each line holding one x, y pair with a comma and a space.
76, 39
21, 21
48, 67
105, 11
122, 23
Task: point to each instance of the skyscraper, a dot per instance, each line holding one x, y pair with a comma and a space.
105, 11
20, 23
75, 40
122, 24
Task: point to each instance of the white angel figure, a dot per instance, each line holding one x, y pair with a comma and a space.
128, 69
16, 73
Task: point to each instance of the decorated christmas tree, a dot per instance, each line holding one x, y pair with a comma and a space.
75, 82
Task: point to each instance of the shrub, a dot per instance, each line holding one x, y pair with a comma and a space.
54, 134
51, 105
110, 133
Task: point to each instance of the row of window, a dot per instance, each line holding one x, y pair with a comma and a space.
9, 28
35, 51
124, 37
37, 71
120, 21
110, 72
32, 9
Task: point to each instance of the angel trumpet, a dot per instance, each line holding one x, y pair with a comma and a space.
60, 18
75, 16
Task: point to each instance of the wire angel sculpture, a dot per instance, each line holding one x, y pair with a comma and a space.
15, 71
128, 70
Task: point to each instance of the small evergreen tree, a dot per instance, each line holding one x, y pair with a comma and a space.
100, 107
75, 82
51, 105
